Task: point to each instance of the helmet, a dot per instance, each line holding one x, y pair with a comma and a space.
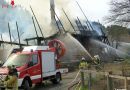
83, 58
12, 70
96, 56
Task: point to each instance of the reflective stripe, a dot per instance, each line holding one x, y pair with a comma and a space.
20, 82
83, 64
35, 77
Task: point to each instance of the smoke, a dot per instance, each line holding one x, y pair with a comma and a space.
42, 12
23, 15
74, 49
41, 9
106, 52
11, 15
72, 10
97, 27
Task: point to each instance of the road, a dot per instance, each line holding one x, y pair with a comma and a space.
64, 84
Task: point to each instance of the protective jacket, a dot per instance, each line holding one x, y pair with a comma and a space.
96, 61
11, 82
83, 65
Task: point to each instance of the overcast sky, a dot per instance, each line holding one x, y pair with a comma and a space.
96, 9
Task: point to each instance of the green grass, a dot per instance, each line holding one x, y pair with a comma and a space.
83, 88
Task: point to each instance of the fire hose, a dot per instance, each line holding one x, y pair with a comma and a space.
68, 83
77, 85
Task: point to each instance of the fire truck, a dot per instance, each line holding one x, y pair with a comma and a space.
36, 64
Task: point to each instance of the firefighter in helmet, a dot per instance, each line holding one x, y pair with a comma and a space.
83, 64
97, 60
11, 80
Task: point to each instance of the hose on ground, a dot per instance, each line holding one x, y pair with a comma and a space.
68, 83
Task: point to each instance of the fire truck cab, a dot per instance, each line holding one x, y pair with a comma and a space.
34, 65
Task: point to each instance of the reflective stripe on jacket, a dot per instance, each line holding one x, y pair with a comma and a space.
83, 65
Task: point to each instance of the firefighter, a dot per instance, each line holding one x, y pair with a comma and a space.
83, 64
97, 60
11, 80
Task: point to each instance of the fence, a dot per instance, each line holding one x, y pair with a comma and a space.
110, 82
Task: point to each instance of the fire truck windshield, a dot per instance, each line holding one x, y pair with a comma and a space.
17, 60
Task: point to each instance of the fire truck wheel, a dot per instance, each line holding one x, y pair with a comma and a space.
2, 89
57, 79
26, 85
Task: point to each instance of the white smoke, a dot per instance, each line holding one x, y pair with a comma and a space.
11, 15
23, 15
42, 12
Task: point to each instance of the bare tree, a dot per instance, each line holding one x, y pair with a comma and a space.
120, 12
116, 33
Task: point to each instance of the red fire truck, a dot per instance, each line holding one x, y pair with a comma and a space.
36, 64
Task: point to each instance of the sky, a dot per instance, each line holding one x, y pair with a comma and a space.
96, 9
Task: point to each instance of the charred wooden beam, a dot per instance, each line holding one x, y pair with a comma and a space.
18, 35
57, 25
9, 32
37, 21
59, 19
89, 24
69, 20
34, 26
1, 40
14, 43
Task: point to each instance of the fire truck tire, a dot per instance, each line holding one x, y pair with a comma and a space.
2, 89
57, 78
26, 85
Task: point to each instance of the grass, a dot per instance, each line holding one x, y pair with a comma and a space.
79, 87
83, 88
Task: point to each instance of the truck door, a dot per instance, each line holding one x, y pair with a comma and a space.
34, 69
